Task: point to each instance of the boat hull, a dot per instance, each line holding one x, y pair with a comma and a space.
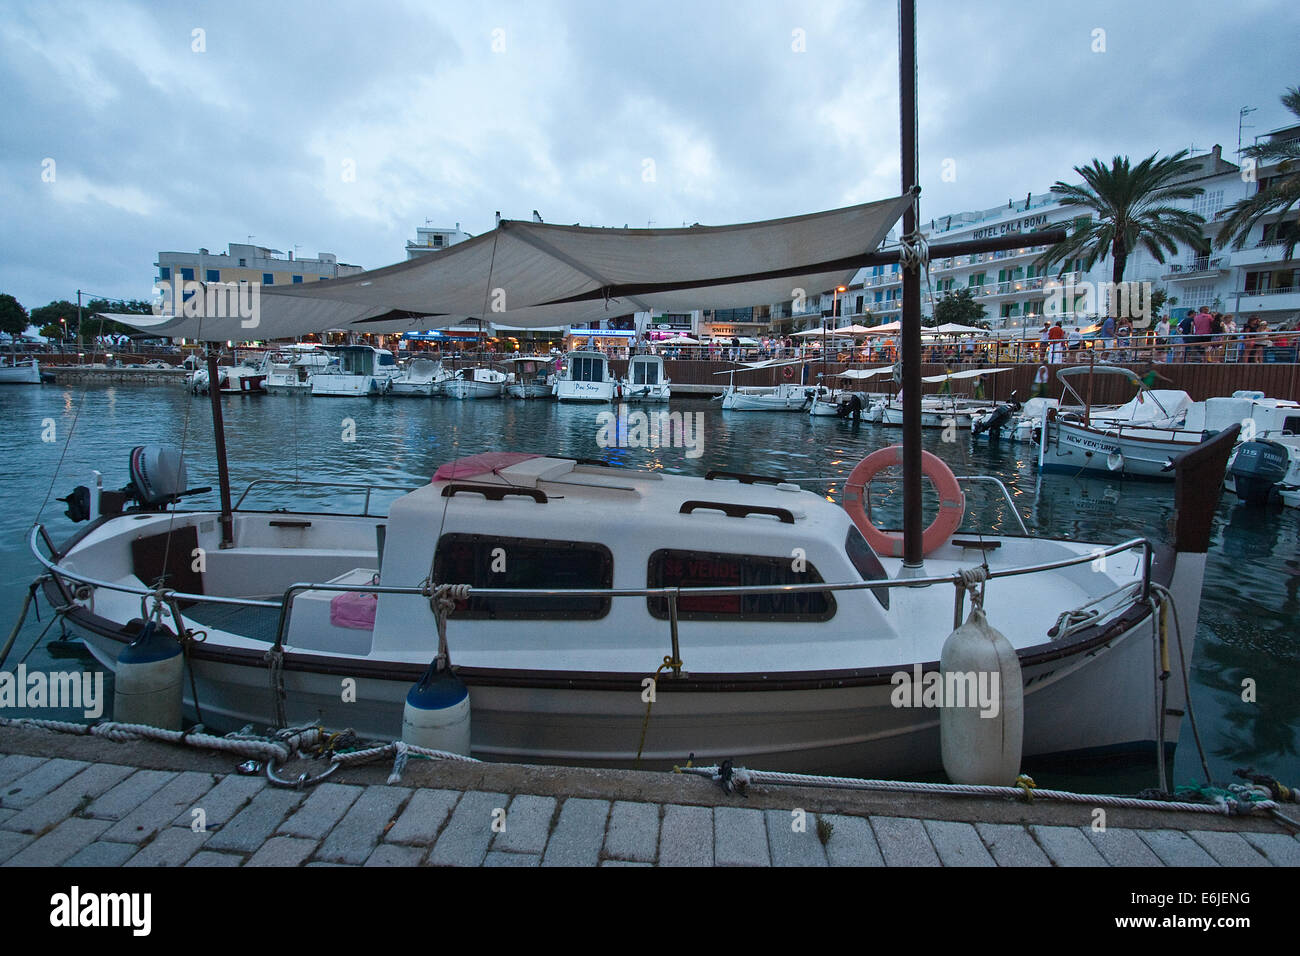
854, 728
463, 390
570, 391
1068, 448
25, 373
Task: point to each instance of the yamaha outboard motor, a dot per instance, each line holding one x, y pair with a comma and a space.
1256, 468
157, 474
157, 480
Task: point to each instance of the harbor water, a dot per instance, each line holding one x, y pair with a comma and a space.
53, 437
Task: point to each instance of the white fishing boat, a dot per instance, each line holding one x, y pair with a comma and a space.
646, 380
474, 382
246, 377
291, 368
585, 377
421, 377
533, 377
18, 371
1139, 439
606, 572
356, 370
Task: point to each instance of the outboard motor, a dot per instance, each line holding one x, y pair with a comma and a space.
850, 407
1256, 467
998, 419
157, 480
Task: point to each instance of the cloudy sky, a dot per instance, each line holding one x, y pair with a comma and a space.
130, 128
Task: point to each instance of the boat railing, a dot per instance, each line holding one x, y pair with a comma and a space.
294, 482
996, 482
673, 595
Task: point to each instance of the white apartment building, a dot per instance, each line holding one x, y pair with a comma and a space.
249, 263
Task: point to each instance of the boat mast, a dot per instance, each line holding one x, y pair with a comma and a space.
219, 433
910, 325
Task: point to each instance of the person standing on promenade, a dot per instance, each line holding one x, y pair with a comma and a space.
1252, 337
1202, 323
1107, 336
1075, 344
1162, 340
1056, 343
1231, 341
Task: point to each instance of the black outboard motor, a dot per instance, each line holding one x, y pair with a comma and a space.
995, 422
157, 480
850, 407
1256, 468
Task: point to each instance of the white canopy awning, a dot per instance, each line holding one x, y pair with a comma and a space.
530, 274
861, 373
969, 373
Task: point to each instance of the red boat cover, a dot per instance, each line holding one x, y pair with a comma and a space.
480, 464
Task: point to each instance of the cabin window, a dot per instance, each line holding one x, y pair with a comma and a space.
645, 373
867, 564
490, 561
583, 368
1291, 425
702, 569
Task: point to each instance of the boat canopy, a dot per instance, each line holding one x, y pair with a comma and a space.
530, 274
968, 373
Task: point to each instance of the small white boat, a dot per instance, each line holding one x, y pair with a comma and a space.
291, 368
422, 377
356, 370
585, 378
1140, 439
646, 380
16, 371
533, 377
474, 382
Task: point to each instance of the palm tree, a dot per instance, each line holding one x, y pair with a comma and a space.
1130, 209
1278, 198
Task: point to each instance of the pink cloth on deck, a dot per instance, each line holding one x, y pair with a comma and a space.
480, 464
355, 609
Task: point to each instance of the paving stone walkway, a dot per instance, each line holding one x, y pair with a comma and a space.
56, 811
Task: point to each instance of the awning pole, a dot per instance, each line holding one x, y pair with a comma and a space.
223, 470
911, 316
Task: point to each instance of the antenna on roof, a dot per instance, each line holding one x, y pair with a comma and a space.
536, 216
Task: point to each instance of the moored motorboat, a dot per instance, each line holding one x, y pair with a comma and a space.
474, 382
533, 377
420, 378
579, 578
356, 370
646, 380
585, 377
16, 371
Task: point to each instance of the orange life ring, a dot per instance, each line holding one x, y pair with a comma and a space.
952, 503
788, 372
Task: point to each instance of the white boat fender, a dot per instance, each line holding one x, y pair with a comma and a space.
981, 720
147, 681
437, 712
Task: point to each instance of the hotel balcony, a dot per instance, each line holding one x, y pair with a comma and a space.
1202, 268
1283, 299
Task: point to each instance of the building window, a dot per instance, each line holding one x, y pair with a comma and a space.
531, 563
213, 275
268, 278
187, 274
243, 263
297, 280
702, 569
164, 272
